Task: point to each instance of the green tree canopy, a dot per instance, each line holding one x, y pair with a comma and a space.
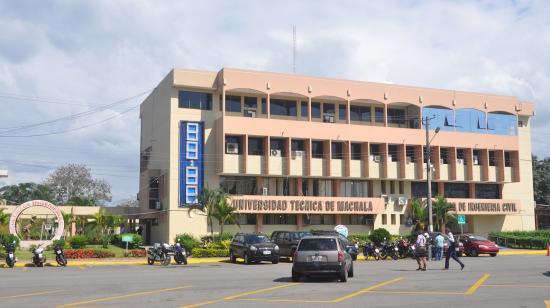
541, 180
23, 192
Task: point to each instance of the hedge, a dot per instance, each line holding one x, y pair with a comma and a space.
136, 253
78, 241
522, 239
137, 241
188, 241
209, 253
88, 253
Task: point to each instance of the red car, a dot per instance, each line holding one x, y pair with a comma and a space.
475, 245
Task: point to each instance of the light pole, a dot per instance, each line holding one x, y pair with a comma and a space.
429, 179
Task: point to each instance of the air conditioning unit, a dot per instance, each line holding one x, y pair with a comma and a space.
476, 160
376, 158
276, 153
264, 191
328, 118
386, 198
402, 201
409, 159
158, 205
460, 161
232, 148
297, 154
250, 113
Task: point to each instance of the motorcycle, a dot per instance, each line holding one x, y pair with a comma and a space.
38, 256
412, 251
180, 255
160, 252
10, 254
60, 255
369, 251
403, 246
389, 250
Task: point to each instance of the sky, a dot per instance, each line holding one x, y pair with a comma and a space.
62, 60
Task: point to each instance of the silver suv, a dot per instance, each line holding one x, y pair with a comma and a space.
322, 255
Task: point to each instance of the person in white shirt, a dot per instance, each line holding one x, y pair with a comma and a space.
421, 252
451, 251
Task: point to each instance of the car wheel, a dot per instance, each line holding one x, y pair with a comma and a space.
493, 255
247, 259
354, 257
350, 271
295, 276
232, 258
344, 276
150, 261
275, 260
473, 253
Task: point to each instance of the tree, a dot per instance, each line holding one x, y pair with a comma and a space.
75, 180
541, 180
207, 201
23, 192
441, 210
419, 215
4, 220
224, 212
81, 201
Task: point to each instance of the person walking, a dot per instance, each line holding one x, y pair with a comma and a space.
439, 239
421, 252
451, 252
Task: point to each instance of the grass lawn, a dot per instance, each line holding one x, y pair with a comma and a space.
26, 255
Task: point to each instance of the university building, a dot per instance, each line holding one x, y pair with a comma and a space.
298, 152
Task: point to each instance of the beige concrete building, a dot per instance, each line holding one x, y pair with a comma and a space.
298, 152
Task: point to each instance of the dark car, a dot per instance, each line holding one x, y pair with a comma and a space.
475, 245
287, 241
253, 247
351, 248
322, 255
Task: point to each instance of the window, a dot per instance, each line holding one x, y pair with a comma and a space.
410, 153
444, 155
278, 144
328, 108
279, 219
457, 190
360, 113
393, 219
281, 107
232, 145
317, 149
195, 100
297, 145
342, 112
247, 219
487, 191
384, 219
393, 153
336, 148
392, 187
492, 158
420, 189
374, 149
315, 110
250, 102
239, 185
401, 219
191, 175
255, 146
192, 150
477, 156
356, 151
264, 106
191, 194
379, 114
401, 187
353, 188
322, 188
507, 159
232, 103
396, 116
303, 109
153, 192
383, 187
192, 132
357, 219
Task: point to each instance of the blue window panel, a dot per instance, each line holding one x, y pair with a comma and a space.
502, 124
442, 118
470, 121
191, 176
192, 150
192, 131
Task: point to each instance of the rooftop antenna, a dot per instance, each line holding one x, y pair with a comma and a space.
294, 49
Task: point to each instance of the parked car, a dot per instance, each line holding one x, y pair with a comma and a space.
351, 248
253, 247
460, 246
475, 245
287, 241
322, 255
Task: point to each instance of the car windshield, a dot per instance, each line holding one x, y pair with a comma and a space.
317, 244
254, 239
299, 235
476, 238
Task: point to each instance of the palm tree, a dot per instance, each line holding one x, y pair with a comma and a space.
207, 201
100, 221
69, 219
441, 210
419, 214
225, 213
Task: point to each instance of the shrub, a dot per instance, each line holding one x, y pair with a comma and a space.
9, 238
219, 245
378, 235
209, 253
360, 239
522, 239
61, 243
216, 238
78, 241
137, 241
188, 241
88, 253
136, 253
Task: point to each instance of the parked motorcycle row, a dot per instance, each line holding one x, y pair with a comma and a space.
400, 249
164, 252
38, 257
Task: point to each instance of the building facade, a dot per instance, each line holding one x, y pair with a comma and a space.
297, 152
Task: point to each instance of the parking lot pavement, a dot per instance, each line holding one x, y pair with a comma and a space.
514, 281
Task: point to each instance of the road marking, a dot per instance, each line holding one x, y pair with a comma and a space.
417, 292
478, 284
30, 294
274, 300
232, 297
110, 298
366, 290
547, 304
515, 286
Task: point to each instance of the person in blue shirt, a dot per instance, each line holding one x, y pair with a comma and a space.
439, 239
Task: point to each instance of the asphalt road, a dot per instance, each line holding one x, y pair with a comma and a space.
507, 281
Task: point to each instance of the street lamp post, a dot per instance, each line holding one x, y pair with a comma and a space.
429, 179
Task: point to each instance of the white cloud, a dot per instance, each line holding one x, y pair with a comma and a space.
96, 52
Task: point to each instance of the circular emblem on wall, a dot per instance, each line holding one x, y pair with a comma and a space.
54, 209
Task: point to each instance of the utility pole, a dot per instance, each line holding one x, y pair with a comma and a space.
429, 179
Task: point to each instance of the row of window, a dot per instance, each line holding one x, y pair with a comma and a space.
291, 219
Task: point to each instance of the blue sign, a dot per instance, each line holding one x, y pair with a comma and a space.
191, 169
461, 219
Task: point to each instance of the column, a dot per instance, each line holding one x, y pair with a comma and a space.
348, 119
441, 188
346, 149
514, 156
452, 162
244, 140
267, 156
365, 158
299, 191
288, 154
419, 161
499, 162
299, 222
472, 190
307, 148
384, 160
436, 162
259, 222
469, 163
268, 105
402, 160
338, 219
327, 157
385, 115
309, 109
